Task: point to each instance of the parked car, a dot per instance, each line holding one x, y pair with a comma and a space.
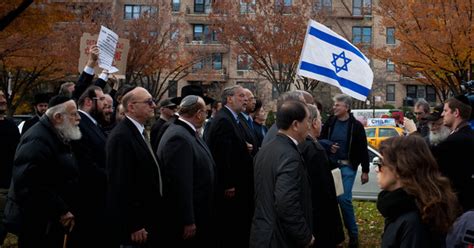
376, 134
371, 189
20, 118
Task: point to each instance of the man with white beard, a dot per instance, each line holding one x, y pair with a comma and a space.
42, 198
438, 131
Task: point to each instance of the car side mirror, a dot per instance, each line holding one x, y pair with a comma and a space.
376, 161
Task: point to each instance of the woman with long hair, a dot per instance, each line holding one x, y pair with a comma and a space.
417, 203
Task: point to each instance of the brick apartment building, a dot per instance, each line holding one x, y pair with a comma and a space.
353, 19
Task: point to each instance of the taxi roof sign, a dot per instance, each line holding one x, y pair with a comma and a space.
372, 122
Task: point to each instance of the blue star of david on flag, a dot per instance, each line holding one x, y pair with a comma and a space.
345, 61
326, 57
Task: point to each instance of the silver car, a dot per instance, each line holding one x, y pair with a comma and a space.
370, 190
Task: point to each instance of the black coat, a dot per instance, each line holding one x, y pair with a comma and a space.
44, 182
10, 138
356, 140
155, 130
133, 183
250, 135
282, 197
90, 154
29, 123
403, 225
234, 169
454, 157
326, 217
188, 183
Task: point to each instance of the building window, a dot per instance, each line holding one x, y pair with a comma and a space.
175, 4
248, 85
283, 5
390, 93
247, 6
275, 93
244, 62
390, 66
361, 7
135, 11
362, 35
430, 94
411, 91
325, 5
198, 32
217, 61
390, 36
198, 65
202, 6
173, 88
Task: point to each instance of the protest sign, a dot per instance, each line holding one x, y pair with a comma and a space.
120, 57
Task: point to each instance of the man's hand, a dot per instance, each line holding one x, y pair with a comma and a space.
334, 147
93, 56
140, 236
189, 231
249, 146
67, 220
364, 178
410, 125
229, 193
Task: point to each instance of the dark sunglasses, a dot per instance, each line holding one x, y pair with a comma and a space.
150, 102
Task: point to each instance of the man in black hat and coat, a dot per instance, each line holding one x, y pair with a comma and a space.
40, 106
42, 199
454, 154
167, 110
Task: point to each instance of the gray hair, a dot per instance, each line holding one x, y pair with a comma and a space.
343, 98
289, 96
423, 104
190, 105
58, 109
313, 111
229, 91
64, 91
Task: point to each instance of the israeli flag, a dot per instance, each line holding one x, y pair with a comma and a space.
329, 58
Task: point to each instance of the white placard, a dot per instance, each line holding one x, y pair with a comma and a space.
107, 43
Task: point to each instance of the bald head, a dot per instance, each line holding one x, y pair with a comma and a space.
250, 108
139, 105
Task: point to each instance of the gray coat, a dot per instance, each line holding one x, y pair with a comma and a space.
282, 197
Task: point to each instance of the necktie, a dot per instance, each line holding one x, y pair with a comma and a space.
250, 122
147, 141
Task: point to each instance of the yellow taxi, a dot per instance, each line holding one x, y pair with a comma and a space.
377, 133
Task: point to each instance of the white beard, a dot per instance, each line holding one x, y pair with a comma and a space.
69, 131
439, 136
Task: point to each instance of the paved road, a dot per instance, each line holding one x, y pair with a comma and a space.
370, 190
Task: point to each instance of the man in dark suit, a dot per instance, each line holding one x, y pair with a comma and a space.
247, 122
90, 154
234, 167
167, 110
282, 188
40, 106
454, 154
134, 179
327, 221
188, 175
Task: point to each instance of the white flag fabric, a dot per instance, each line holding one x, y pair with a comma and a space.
328, 57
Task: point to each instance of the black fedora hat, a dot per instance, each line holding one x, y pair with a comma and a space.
42, 98
192, 90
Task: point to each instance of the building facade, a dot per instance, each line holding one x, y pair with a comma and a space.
353, 19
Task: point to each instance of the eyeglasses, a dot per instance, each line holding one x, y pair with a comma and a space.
150, 102
379, 163
418, 113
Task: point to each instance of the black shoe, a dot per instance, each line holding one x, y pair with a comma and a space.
353, 242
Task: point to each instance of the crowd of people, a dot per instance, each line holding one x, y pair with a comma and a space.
88, 171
